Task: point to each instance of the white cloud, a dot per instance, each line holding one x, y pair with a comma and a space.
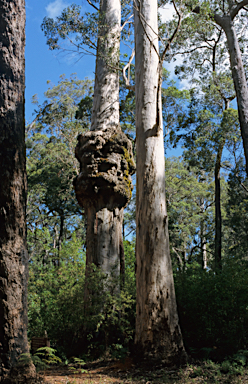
167, 12
55, 8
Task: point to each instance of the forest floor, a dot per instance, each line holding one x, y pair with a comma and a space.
125, 372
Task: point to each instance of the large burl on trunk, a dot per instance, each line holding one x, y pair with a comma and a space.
13, 250
103, 188
104, 185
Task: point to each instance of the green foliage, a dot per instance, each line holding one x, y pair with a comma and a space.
213, 309
53, 214
190, 198
57, 304
24, 360
56, 295
69, 23
42, 358
77, 365
109, 313
47, 355
236, 221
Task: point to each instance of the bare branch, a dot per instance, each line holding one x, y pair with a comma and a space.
127, 67
191, 50
92, 5
236, 10
244, 187
126, 22
170, 40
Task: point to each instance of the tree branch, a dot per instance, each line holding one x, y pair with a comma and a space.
236, 10
170, 40
126, 22
92, 5
127, 66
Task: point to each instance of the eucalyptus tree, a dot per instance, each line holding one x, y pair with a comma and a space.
190, 202
214, 20
158, 335
236, 206
206, 128
103, 186
13, 247
53, 212
206, 65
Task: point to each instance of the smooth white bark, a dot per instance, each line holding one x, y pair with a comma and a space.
105, 111
158, 334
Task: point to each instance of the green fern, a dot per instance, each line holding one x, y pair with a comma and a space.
47, 355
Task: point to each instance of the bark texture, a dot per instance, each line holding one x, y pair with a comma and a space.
13, 250
158, 336
103, 188
104, 185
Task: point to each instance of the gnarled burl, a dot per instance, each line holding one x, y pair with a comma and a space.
103, 188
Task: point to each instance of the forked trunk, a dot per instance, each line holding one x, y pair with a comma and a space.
13, 248
158, 336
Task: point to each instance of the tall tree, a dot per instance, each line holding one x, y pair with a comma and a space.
104, 185
158, 334
13, 249
190, 198
231, 17
51, 166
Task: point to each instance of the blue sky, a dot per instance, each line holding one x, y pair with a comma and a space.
42, 64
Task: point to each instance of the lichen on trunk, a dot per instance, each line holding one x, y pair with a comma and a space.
103, 188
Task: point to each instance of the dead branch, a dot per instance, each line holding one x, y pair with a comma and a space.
127, 67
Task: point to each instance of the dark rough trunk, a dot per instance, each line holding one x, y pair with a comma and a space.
239, 78
13, 185
218, 219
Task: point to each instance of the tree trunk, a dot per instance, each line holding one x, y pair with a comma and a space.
104, 224
13, 248
105, 112
158, 336
104, 238
239, 78
203, 238
218, 220
104, 184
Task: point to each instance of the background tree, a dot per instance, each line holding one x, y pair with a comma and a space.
52, 207
205, 63
190, 200
208, 21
